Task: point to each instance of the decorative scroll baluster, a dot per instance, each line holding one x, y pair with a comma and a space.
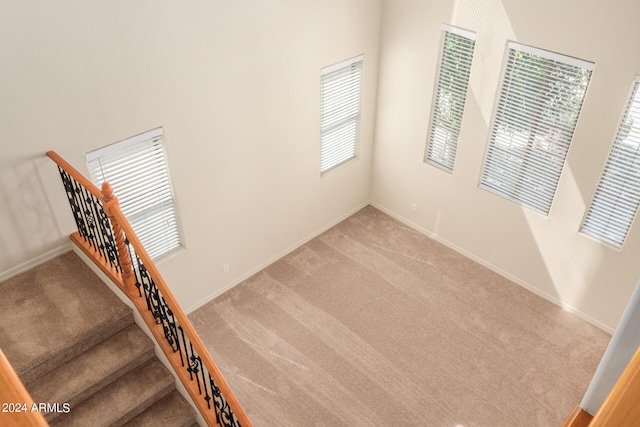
224, 415
175, 336
194, 368
93, 225
73, 202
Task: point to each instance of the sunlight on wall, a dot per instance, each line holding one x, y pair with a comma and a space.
568, 261
490, 20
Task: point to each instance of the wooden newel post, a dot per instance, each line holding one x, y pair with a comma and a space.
111, 202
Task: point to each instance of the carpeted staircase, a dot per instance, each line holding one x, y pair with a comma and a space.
75, 344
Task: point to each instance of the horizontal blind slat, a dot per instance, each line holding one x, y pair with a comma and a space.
540, 97
138, 172
339, 112
615, 202
449, 97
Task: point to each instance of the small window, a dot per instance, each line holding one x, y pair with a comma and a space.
137, 170
340, 88
538, 107
617, 196
450, 96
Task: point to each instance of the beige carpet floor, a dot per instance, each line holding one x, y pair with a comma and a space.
374, 324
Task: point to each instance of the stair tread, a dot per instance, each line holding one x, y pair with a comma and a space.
53, 311
170, 411
121, 400
93, 369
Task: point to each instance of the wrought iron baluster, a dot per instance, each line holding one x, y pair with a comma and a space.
68, 188
224, 415
93, 209
184, 346
188, 361
89, 221
206, 397
134, 263
169, 326
84, 231
108, 239
194, 367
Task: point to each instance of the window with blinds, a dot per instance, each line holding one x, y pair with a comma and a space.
538, 106
340, 88
450, 96
137, 170
617, 196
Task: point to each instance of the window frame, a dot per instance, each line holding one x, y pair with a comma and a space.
537, 168
447, 144
340, 112
147, 198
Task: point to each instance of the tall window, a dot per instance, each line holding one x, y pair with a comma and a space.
538, 107
450, 96
615, 202
340, 87
137, 170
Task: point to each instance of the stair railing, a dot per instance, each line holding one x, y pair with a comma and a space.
105, 235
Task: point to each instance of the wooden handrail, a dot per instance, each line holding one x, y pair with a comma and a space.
622, 407
190, 332
93, 189
18, 408
578, 418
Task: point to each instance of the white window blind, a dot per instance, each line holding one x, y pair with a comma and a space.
340, 88
538, 106
450, 96
617, 196
137, 170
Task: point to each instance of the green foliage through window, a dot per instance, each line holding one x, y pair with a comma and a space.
538, 106
449, 98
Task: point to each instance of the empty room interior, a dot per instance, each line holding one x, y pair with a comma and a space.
236, 89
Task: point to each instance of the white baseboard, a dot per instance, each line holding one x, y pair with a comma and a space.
551, 298
34, 262
274, 258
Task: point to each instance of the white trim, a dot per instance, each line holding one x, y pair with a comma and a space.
498, 270
116, 146
274, 258
34, 262
459, 31
576, 62
335, 67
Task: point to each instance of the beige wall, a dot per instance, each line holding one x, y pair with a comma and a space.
543, 253
235, 84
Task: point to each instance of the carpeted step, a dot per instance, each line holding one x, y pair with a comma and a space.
55, 311
122, 400
92, 370
170, 411
75, 346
